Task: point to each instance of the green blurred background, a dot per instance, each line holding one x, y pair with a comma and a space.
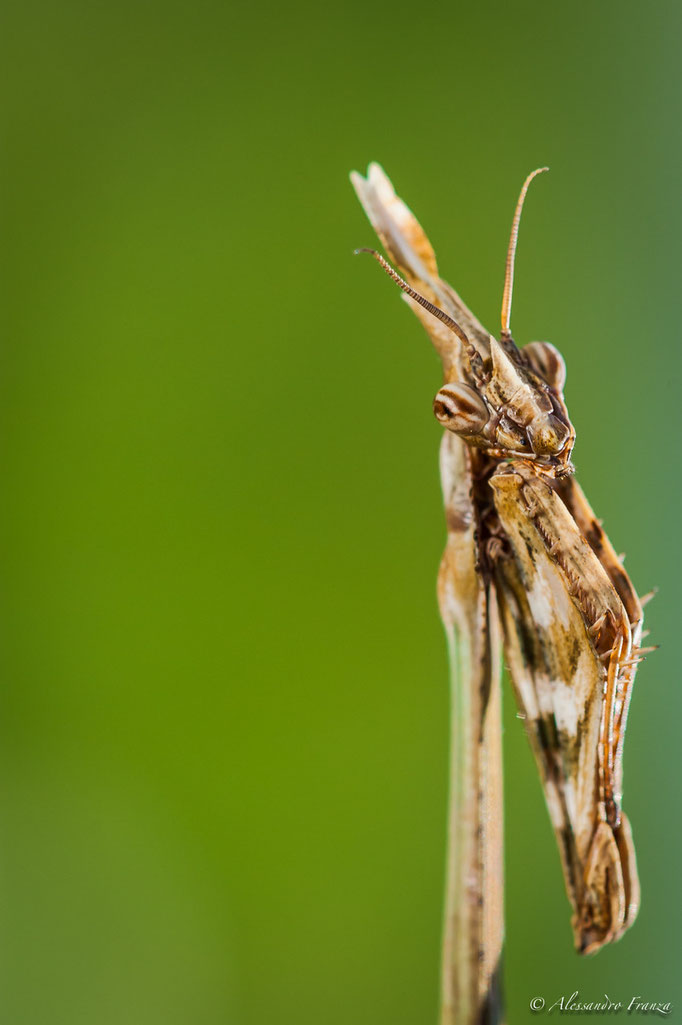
224, 690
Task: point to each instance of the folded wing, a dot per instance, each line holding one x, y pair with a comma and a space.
569, 645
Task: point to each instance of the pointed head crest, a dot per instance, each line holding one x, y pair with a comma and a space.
505, 402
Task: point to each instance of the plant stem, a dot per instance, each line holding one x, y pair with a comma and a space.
473, 926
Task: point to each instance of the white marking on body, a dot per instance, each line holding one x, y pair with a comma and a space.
569, 798
566, 706
554, 807
548, 598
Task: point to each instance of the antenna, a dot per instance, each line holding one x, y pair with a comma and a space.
435, 310
511, 253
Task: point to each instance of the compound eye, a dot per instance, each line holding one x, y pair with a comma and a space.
461, 409
548, 363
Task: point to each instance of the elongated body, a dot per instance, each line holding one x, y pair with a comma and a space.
528, 568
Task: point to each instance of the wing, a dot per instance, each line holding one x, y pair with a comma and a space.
408, 247
569, 646
589, 526
473, 926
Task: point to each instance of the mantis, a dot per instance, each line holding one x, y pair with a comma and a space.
527, 575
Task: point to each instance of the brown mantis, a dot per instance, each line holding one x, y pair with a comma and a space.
527, 571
